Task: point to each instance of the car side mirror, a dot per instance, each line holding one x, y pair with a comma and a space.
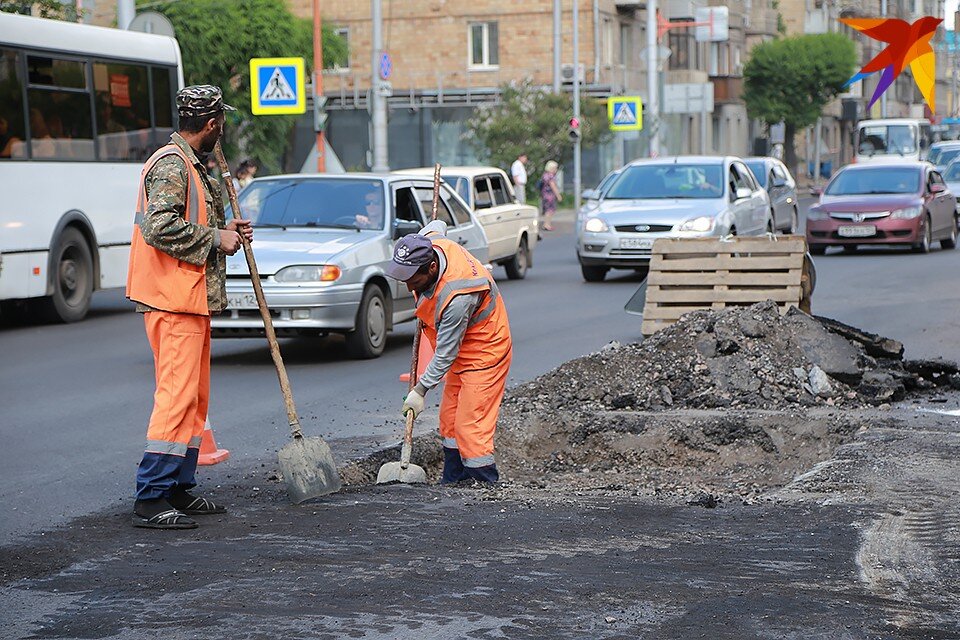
778, 182
743, 193
404, 227
937, 188
589, 194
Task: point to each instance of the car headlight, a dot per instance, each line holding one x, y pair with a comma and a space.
596, 225
907, 213
813, 213
308, 273
700, 224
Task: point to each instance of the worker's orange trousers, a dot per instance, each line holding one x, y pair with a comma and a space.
181, 356
469, 410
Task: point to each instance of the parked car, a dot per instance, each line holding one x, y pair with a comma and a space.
942, 153
951, 175
591, 197
322, 242
781, 188
511, 227
905, 203
684, 196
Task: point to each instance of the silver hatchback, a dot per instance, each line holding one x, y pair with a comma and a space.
322, 242
685, 196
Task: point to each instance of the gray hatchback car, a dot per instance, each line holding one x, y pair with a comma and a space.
322, 242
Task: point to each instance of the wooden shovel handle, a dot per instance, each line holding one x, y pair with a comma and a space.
261, 300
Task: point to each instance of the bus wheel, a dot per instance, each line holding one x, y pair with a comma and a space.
72, 279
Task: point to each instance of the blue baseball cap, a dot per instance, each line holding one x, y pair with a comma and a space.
411, 252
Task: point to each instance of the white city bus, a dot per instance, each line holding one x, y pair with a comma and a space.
81, 108
892, 140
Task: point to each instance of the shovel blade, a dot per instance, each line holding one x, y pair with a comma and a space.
394, 472
309, 469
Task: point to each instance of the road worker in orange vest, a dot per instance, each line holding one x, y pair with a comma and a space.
464, 318
177, 277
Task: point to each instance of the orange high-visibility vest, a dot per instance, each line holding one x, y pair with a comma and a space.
487, 340
155, 278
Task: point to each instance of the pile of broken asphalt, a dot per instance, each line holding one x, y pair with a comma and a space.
832, 513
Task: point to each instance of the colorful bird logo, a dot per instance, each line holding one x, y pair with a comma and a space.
908, 44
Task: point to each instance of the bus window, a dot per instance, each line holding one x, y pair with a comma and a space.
123, 112
12, 123
162, 106
59, 118
887, 139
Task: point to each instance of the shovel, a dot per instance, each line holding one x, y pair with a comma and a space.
403, 471
306, 463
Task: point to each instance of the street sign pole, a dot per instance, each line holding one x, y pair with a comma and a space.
377, 99
318, 82
653, 105
576, 107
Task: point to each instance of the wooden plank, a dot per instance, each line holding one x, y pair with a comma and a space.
687, 278
665, 316
707, 296
786, 244
782, 263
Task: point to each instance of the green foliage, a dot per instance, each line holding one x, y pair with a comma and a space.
42, 8
532, 121
217, 39
792, 79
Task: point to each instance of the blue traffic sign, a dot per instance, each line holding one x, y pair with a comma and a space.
386, 66
625, 113
277, 86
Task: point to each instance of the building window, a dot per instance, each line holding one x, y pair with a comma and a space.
626, 43
681, 46
342, 64
606, 50
484, 45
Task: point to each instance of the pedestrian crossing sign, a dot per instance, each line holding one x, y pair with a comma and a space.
625, 113
277, 86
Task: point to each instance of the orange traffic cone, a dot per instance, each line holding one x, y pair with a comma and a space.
424, 355
209, 453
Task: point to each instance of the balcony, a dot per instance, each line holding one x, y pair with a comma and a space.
727, 89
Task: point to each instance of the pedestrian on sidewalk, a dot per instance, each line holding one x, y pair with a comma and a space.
464, 318
518, 173
177, 277
549, 193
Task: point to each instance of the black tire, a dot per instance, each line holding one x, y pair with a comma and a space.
950, 242
517, 266
369, 337
72, 279
924, 245
593, 273
818, 249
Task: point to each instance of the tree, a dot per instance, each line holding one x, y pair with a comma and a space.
217, 39
792, 79
41, 8
529, 120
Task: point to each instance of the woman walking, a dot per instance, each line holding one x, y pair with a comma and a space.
549, 194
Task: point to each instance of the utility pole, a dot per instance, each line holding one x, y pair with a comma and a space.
318, 97
556, 46
126, 12
576, 106
652, 116
883, 98
378, 102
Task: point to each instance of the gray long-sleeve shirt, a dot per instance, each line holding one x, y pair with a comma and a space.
452, 325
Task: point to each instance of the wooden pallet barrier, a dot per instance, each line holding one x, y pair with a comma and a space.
688, 274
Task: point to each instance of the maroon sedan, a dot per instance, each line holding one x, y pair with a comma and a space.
903, 203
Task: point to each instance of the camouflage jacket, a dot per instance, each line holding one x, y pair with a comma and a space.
165, 227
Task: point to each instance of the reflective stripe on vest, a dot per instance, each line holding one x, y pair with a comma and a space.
193, 186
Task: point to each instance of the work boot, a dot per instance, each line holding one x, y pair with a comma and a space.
487, 473
453, 470
192, 505
159, 514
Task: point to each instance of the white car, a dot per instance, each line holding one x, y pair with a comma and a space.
511, 227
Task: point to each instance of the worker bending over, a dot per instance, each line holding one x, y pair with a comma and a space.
464, 318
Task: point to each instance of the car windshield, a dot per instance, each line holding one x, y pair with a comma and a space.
759, 171
875, 180
946, 155
894, 138
459, 184
337, 203
662, 181
934, 155
606, 182
952, 172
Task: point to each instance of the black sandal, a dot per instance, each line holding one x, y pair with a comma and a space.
199, 506
172, 519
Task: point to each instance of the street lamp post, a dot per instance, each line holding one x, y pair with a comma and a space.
576, 107
378, 101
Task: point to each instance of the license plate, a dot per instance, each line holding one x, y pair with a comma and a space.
636, 243
242, 301
859, 231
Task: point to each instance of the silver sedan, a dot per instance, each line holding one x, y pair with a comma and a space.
322, 242
685, 196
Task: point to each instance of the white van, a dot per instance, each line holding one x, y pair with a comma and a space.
892, 140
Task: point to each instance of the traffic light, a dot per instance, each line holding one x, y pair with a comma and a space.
573, 132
